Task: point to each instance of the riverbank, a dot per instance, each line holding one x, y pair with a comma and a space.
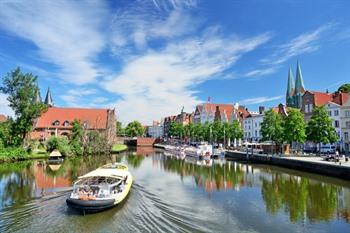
22, 157
117, 148
307, 164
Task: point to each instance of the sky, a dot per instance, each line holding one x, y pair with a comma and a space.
149, 58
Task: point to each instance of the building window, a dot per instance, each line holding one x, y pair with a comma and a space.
256, 125
306, 108
336, 112
346, 136
66, 123
347, 113
256, 133
330, 113
336, 124
56, 123
347, 124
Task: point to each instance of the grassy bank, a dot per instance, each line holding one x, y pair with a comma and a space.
13, 155
119, 148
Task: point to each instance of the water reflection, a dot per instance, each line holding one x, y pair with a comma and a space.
300, 196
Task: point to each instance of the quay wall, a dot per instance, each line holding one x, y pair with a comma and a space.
335, 170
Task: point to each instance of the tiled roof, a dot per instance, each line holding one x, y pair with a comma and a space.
2, 118
223, 108
95, 118
322, 98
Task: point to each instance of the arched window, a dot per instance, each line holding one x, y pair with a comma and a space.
66, 123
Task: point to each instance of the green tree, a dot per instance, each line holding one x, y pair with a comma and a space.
320, 129
21, 90
120, 129
77, 137
134, 129
234, 131
294, 127
176, 129
5, 133
272, 127
344, 88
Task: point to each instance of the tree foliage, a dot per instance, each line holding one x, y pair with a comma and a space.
134, 129
120, 129
320, 129
294, 127
344, 88
21, 91
272, 127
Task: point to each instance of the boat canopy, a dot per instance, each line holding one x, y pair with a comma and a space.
107, 172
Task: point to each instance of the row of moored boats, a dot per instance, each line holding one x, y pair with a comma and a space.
202, 151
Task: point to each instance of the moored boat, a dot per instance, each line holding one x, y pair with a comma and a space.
203, 151
101, 189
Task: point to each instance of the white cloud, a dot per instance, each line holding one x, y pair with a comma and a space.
66, 33
74, 97
260, 100
261, 72
304, 43
4, 108
160, 82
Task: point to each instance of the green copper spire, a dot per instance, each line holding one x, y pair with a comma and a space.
290, 87
299, 83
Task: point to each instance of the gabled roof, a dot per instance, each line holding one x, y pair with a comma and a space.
95, 118
322, 98
223, 108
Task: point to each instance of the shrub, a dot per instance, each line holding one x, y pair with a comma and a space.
12, 153
59, 143
96, 143
76, 148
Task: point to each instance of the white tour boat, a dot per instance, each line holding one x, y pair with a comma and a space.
203, 151
101, 189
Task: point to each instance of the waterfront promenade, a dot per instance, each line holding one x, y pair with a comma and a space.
308, 164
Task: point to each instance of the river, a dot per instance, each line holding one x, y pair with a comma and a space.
171, 195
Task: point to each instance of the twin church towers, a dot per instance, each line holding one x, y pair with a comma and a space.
295, 89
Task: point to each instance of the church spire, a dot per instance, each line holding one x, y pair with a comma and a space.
291, 80
48, 98
290, 89
37, 96
299, 83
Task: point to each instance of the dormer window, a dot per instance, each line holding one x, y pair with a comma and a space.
66, 123
85, 125
56, 123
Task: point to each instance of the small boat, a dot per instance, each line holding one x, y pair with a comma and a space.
55, 157
203, 151
178, 151
101, 189
219, 152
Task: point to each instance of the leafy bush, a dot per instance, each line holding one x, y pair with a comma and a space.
59, 143
96, 143
12, 153
76, 148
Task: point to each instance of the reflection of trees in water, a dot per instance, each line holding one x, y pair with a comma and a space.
134, 160
300, 197
215, 177
18, 180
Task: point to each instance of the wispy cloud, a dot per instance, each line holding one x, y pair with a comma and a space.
66, 33
260, 100
304, 43
261, 72
161, 81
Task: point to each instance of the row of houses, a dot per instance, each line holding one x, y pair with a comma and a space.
297, 96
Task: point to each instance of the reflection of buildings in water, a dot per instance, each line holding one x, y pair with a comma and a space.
44, 182
344, 204
144, 150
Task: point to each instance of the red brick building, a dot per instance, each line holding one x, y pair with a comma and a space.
3, 118
57, 121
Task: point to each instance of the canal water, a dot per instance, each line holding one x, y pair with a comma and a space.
172, 195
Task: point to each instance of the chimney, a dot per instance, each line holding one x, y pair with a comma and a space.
261, 109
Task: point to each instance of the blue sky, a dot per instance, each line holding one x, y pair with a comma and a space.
148, 58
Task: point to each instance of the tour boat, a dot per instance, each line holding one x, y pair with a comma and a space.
203, 151
101, 189
219, 152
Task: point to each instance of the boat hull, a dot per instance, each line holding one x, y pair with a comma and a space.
90, 205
